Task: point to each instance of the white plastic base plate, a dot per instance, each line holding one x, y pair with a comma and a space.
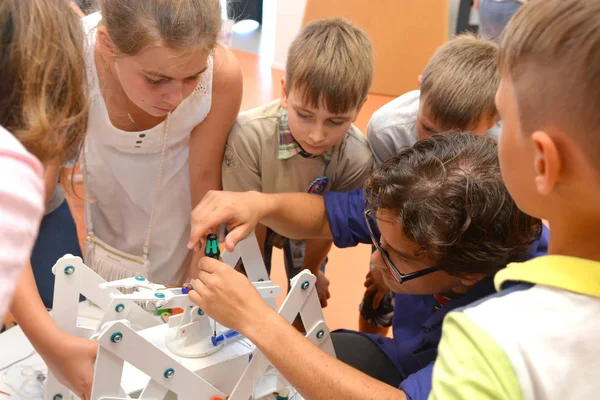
201, 348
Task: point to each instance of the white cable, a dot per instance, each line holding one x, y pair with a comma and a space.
18, 361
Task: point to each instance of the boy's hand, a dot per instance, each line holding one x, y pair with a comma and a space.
375, 284
322, 285
227, 296
240, 211
72, 363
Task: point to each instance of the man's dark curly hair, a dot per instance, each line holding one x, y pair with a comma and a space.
449, 198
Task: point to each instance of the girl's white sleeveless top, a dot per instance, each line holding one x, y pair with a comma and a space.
122, 172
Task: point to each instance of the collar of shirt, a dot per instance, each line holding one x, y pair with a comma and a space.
440, 300
481, 289
574, 274
289, 147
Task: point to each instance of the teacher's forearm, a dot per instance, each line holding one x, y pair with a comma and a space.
297, 215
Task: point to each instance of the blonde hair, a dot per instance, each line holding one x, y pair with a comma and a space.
551, 51
459, 84
42, 96
177, 24
331, 63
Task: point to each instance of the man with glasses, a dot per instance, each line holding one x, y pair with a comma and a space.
442, 223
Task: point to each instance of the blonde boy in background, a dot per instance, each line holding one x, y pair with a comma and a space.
457, 92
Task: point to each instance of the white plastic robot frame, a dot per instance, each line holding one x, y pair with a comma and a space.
178, 356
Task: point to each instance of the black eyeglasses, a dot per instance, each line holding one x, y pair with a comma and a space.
399, 276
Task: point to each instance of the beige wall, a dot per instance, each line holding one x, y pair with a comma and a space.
405, 33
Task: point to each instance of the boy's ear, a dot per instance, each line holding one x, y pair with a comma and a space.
107, 47
546, 162
284, 100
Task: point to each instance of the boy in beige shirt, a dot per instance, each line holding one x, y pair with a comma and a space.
305, 141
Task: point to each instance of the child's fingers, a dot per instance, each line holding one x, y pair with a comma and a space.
371, 289
377, 299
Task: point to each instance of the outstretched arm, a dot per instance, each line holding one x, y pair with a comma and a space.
71, 359
294, 215
207, 141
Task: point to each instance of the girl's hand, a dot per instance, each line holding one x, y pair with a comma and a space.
72, 362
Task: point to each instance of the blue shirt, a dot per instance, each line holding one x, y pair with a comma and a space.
417, 327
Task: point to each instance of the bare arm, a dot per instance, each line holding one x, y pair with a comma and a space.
207, 142
50, 181
208, 139
315, 253
310, 370
30, 313
71, 359
297, 215
293, 215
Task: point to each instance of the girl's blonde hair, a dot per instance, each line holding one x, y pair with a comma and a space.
177, 24
43, 101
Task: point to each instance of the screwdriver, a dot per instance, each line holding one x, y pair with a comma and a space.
212, 250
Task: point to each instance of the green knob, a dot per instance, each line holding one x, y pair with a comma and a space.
212, 246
